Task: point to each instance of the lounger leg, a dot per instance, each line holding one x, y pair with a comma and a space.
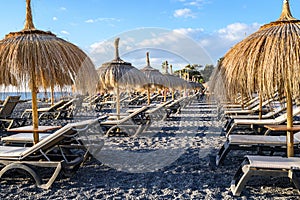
52, 178
230, 130
139, 130
296, 179
222, 153
240, 179
24, 167
227, 124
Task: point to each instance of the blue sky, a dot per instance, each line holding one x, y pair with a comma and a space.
209, 27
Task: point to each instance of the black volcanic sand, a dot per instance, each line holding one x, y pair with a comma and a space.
173, 159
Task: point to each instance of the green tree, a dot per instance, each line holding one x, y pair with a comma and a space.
207, 71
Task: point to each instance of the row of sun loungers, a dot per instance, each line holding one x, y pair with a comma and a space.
65, 149
262, 142
54, 151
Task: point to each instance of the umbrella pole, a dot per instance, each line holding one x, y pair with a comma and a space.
148, 94
35, 119
52, 95
118, 101
242, 97
290, 134
173, 94
260, 106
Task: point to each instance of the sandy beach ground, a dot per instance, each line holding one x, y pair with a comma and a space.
171, 160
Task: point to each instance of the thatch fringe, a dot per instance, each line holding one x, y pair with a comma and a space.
55, 61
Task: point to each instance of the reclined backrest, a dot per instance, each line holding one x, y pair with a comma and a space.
136, 112
57, 105
66, 105
158, 107
57, 137
283, 117
8, 106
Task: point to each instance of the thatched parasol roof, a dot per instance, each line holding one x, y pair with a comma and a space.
266, 62
154, 77
173, 81
40, 59
119, 73
54, 60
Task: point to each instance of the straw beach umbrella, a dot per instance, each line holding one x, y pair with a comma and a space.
266, 62
119, 74
173, 82
40, 59
154, 77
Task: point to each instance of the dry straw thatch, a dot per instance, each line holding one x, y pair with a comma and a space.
154, 77
266, 62
118, 74
173, 82
40, 59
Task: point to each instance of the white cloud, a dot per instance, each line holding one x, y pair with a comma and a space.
219, 42
62, 8
237, 31
65, 32
191, 45
162, 44
89, 21
191, 32
102, 20
185, 13
196, 3
54, 18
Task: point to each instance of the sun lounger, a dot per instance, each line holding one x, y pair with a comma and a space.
8, 106
246, 104
259, 143
61, 150
270, 114
132, 124
176, 106
130, 101
253, 110
158, 112
253, 122
265, 166
28, 112
65, 111
6, 112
